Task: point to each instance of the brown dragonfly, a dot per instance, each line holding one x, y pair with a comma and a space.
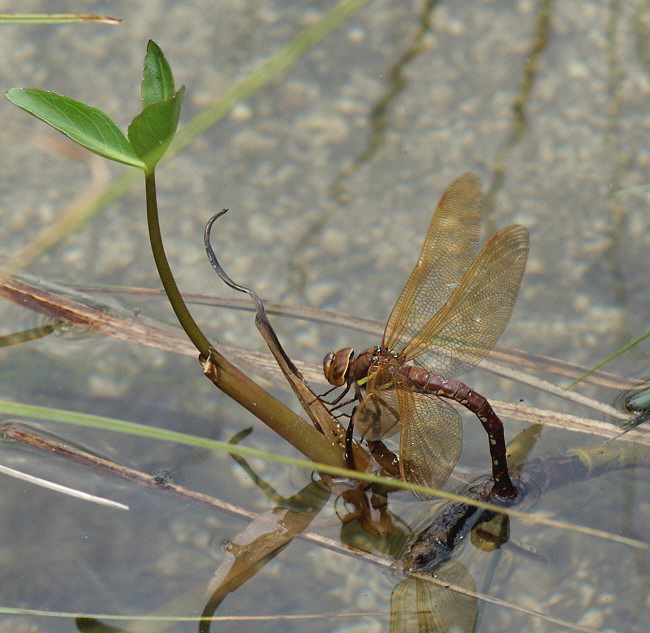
450, 314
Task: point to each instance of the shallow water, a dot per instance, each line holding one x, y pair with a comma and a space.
331, 173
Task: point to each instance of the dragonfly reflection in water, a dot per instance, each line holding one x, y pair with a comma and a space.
450, 314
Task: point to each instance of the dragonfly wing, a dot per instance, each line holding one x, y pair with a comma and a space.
419, 605
448, 250
430, 441
467, 327
378, 414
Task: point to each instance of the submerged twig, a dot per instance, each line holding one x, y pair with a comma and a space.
10, 432
66, 490
80, 309
375, 327
53, 300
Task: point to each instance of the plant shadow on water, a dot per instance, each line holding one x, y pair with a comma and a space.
159, 558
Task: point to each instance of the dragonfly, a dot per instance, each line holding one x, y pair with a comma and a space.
450, 314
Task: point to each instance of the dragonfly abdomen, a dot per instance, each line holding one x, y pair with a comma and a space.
481, 408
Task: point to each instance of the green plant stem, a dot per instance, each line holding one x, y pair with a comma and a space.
165, 273
279, 418
228, 378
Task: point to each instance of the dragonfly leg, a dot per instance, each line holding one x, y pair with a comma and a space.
349, 454
341, 405
337, 399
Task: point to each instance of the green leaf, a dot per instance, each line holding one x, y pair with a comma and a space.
157, 78
153, 129
88, 126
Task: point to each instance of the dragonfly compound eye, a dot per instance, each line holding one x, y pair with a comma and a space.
336, 365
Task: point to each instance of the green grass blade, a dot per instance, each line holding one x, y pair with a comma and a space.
111, 424
611, 357
268, 70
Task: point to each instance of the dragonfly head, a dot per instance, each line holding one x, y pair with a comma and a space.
336, 366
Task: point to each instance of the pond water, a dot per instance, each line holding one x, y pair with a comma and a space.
331, 172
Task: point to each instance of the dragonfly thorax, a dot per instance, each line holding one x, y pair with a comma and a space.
343, 368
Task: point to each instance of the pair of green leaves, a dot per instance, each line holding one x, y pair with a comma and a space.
149, 134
